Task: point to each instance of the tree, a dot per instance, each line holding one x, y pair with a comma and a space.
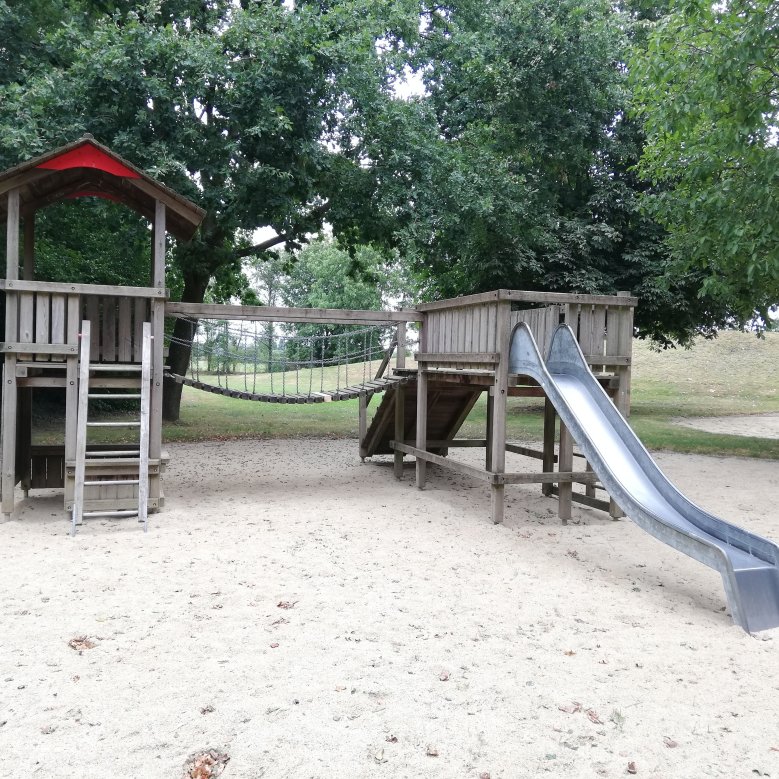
707, 89
515, 168
325, 276
235, 105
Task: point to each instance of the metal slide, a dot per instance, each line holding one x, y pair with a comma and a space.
748, 564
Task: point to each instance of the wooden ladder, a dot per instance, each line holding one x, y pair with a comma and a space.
86, 458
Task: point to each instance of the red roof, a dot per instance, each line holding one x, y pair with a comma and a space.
87, 168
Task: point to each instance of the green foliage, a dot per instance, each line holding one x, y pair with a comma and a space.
323, 275
706, 89
515, 168
93, 242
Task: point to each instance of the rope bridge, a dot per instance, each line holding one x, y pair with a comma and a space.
260, 361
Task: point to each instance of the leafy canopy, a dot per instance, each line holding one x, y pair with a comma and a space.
707, 89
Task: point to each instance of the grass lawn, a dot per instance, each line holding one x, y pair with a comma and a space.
734, 374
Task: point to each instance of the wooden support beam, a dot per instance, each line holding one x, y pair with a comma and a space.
71, 377
12, 236
29, 247
489, 358
489, 432
527, 451
421, 427
30, 348
516, 295
585, 500
82, 289
457, 443
158, 246
500, 393
400, 427
444, 462
9, 401
276, 314
550, 424
400, 354
552, 477
9, 412
565, 465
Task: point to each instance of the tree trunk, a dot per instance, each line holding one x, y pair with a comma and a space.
181, 346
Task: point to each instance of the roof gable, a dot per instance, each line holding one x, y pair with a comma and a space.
86, 168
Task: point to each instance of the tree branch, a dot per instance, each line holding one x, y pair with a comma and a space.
269, 243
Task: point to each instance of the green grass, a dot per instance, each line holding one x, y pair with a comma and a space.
735, 374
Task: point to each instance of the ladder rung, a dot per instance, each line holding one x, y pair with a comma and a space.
114, 453
127, 513
109, 396
114, 367
110, 482
113, 424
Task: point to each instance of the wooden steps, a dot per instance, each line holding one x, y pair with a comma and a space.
448, 407
120, 482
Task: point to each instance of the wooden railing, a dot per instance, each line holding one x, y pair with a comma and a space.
46, 318
471, 334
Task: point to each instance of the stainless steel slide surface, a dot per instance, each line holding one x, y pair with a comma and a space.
748, 564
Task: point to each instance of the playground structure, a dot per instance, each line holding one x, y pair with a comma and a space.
105, 343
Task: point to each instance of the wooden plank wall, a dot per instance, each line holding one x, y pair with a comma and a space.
541, 321
463, 329
117, 324
41, 318
601, 330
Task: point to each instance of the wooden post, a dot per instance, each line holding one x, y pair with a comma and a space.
158, 342
24, 437
400, 426
24, 398
589, 489
400, 357
500, 394
622, 399
9, 404
29, 247
158, 246
9, 434
565, 461
421, 442
490, 415
550, 423
71, 378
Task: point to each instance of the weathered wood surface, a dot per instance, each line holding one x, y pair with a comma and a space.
523, 296
448, 405
344, 393
448, 357
423, 456
82, 289
277, 314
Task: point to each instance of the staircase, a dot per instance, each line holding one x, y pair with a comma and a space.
112, 482
448, 407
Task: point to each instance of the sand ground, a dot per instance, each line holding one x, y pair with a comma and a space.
419, 639
759, 425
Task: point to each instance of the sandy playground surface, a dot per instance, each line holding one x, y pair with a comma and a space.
759, 425
309, 616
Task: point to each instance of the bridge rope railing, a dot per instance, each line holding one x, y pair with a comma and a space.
281, 363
